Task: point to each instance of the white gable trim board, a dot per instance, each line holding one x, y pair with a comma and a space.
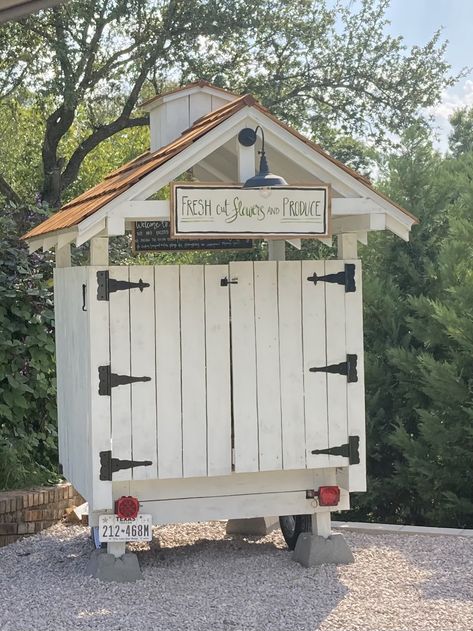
362, 200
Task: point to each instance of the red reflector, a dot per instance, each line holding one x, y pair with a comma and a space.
329, 495
127, 507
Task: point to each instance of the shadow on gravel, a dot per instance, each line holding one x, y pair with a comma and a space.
446, 561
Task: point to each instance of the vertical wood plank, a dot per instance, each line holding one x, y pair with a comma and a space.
200, 104
168, 371
356, 390
194, 418
292, 365
73, 377
336, 353
267, 365
245, 411
100, 408
120, 363
314, 351
217, 340
143, 394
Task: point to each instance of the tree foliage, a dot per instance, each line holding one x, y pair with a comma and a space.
328, 68
419, 337
28, 449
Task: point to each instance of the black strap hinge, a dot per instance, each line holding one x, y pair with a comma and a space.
109, 465
109, 380
224, 282
346, 278
350, 450
347, 368
107, 285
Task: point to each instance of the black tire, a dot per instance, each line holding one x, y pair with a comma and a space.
292, 526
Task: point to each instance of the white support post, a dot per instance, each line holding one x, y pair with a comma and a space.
63, 256
246, 161
322, 524
276, 250
99, 251
347, 246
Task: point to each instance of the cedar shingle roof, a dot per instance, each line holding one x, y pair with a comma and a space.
129, 174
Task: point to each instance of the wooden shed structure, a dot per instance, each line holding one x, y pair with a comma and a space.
217, 391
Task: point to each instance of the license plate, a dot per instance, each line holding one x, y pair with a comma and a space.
113, 529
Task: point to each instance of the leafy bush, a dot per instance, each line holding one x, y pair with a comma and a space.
28, 450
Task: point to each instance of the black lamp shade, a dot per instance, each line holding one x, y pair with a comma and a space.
264, 178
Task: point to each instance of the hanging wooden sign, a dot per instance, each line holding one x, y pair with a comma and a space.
213, 211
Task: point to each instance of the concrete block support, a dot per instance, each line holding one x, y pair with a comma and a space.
257, 526
314, 550
107, 567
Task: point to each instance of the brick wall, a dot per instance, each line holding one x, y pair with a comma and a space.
24, 513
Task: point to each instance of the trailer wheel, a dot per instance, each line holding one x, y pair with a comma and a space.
292, 526
94, 535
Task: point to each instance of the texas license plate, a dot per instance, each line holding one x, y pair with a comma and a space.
111, 528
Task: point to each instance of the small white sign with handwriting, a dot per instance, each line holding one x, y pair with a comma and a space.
214, 211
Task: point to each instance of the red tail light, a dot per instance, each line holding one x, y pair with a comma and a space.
329, 495
127, 507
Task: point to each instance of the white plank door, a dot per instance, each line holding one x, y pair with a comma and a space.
335, 317
218, 381
143, 364
120, 363
244, 375
193, 360
100, 410
168, 371
267, 365
356, 389
291, 364
315, 355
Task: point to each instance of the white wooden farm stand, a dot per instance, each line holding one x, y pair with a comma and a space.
224, 413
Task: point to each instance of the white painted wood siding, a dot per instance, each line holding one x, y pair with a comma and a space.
73, 377
229, 386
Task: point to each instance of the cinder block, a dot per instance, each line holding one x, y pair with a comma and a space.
314, 550
106, 567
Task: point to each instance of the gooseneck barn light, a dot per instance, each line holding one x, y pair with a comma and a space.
263, 179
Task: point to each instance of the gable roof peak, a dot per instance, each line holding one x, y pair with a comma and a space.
157, 99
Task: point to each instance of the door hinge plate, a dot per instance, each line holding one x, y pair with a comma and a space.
348, 368
109, 465
107, 285
109, 380
350, 450
346, 278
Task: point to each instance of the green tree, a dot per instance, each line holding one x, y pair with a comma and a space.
320, 66
394, 272
28, 451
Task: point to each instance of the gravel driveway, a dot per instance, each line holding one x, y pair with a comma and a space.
198, 579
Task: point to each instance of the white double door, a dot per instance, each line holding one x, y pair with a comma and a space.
220, 359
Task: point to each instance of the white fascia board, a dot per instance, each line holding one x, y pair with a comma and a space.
161, 176
34, 244
49, 242
359, 223
94, 230
277, 135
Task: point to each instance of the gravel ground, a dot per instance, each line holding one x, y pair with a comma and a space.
198, 579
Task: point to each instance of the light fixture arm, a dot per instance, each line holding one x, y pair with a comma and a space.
264, 178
